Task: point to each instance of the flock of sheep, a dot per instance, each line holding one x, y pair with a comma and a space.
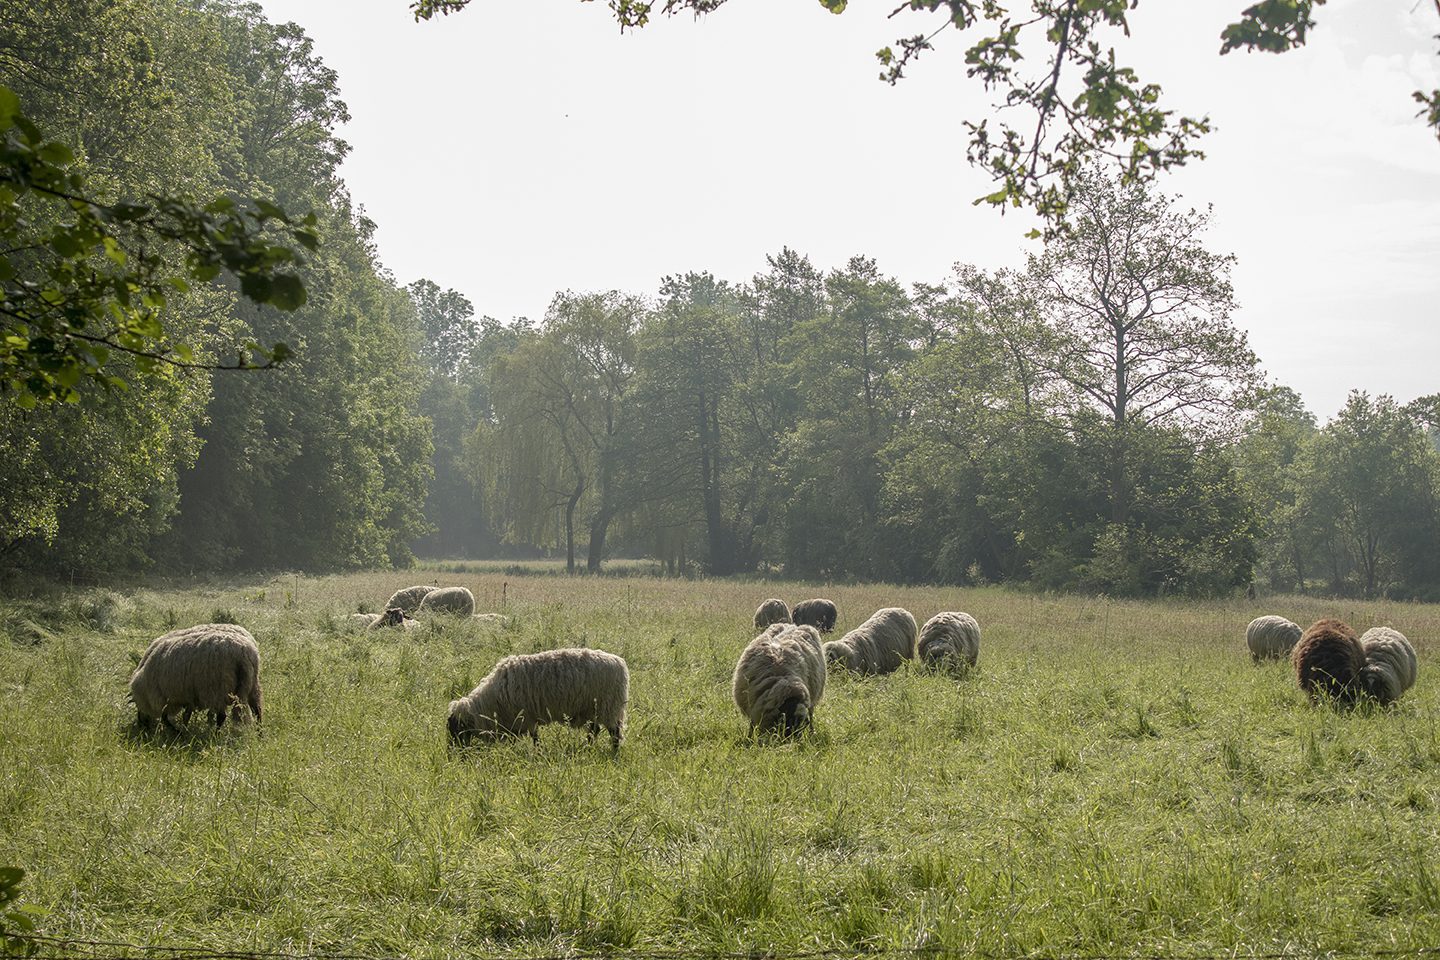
1331, 661
778, 680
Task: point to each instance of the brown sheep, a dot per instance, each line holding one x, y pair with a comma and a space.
1328, 660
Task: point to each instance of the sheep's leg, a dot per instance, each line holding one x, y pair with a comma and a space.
592, 730
614, 739
165, 716
185, 717
219, 717
535, 735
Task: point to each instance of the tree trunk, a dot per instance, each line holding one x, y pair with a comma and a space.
599, 527
570, 525
710, 488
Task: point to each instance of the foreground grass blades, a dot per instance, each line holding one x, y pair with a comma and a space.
1113, 776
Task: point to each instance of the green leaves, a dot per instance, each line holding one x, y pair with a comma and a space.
85, 280
16, 918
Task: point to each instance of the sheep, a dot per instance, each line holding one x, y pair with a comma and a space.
1390, 664
206, 667
818, 613
1271, 637
408, 600
950, 640
393, 617
879, 645
361, 621
577, 686
1328, 660
771, 611
780, 678
454, 600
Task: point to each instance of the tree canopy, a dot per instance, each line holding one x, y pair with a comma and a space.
1076, 105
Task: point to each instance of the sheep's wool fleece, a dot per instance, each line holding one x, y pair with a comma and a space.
409, 599
204, 667
818, 613
783, 666
457, 600
879, 645
1272, 637
574, 685
1328, 660
1390, 664
363, 619
950, 636
771, 611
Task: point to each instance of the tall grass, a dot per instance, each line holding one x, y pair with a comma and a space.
1115, 776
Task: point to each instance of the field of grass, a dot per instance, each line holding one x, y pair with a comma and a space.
1115, 777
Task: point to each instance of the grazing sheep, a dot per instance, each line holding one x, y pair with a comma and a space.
206, 667
577, 686
1328, 659
1390, 664
1271, 637
780, 678
394, 617
363, 620
454, 600
879, 645
771, 611
950, 640
817, 613
408, 600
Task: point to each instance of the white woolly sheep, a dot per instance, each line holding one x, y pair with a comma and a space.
1390, 664
394, 617
771, 611
780, 678
1271, 637
408, 600
879, 645
207, 667
453, 600
577, 686
360, 621
950, 639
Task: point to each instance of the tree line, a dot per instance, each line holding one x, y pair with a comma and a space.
1094, 421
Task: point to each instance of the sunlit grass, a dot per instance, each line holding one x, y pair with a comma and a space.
1114, 776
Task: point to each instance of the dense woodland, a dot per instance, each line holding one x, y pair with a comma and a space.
1093, 422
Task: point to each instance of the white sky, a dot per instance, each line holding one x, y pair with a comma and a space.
516, 149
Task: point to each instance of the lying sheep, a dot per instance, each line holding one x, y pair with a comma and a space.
453, 600
1328, 660
780, 678
1271, 638
361, 621
393, 617
408, 600
818, 613
771, 611
879, 645
208, 667
577, 686
1390, 664
950, 640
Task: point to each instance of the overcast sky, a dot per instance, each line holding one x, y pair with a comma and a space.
520, 148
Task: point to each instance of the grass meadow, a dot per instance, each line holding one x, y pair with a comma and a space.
1115, 777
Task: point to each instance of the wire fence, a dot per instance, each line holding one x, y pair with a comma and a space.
43, 947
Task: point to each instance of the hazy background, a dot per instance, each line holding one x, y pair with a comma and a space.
514, 150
